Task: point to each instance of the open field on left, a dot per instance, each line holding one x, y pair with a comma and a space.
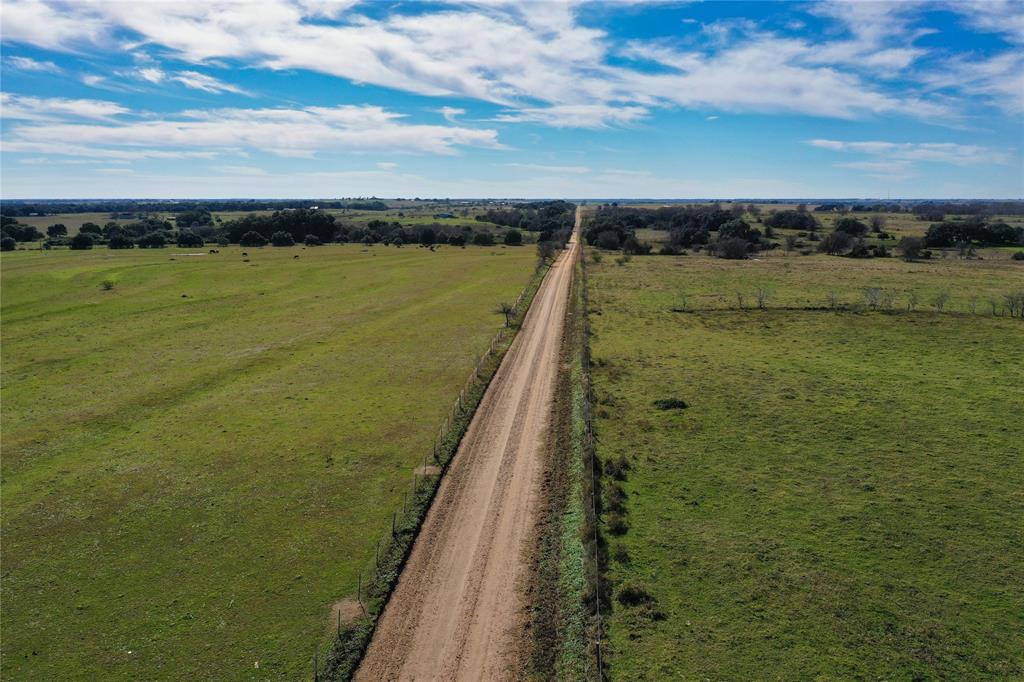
199, 454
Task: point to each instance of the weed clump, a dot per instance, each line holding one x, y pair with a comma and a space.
670, 404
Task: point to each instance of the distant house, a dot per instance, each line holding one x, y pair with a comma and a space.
314, 208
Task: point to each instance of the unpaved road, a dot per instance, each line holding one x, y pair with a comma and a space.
457, 612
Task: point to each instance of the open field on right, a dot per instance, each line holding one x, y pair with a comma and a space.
841, 497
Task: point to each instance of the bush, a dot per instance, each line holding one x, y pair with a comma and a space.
1019, 255
81, 241
670, 404
222, 241
732, 249
631, 594
617, 524
735, 229
58, 230
8, 244
252, 239
513, 238
313, 240
483, 239
107, 284
617, 467
91, 228
634, 247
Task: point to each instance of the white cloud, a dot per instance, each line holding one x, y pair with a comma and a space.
999, 79
903, 153
93, 80
543, 168
451, 113
534, 58
29, 64
387, 165
201, 81
576, 115
285, 132
26, 108
711, 118
1005, 17
151, 74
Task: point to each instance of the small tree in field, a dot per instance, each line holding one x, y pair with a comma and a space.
508, 311
81, 241
910, 248
252, 239
282, 238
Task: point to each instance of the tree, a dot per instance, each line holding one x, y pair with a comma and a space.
428, 237
8, 244
120, 241
877, 223
513, 238
733, 249
508, 311
81, 241
483, 239
57, 230
546, 250
252, 239
282, 238
313, 240
910, 248
92, 228
852, 227
735, 229
188, 239
609, 239
152, 240
835, 243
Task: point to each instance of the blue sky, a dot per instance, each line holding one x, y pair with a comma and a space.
339, 98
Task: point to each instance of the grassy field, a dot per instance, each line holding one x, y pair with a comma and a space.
842, 497
198, 460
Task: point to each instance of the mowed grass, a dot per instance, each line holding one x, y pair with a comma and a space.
843, 497
198, 461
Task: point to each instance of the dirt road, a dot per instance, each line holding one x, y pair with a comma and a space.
457, 612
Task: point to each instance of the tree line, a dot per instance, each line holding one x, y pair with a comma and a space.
312, 227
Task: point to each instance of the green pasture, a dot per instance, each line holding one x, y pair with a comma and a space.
841, 497
200, 454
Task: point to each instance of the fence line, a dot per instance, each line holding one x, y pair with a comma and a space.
410, 516
590, 450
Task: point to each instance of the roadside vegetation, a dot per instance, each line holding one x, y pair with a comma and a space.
201, 450
810, 464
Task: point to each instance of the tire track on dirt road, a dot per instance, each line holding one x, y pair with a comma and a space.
458, 612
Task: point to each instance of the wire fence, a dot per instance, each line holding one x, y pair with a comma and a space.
590, 454
378, 578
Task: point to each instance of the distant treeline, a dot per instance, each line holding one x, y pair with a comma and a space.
22, 208
281, 228
929, 210
538, 216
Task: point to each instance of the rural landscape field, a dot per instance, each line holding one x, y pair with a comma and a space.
548, 341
